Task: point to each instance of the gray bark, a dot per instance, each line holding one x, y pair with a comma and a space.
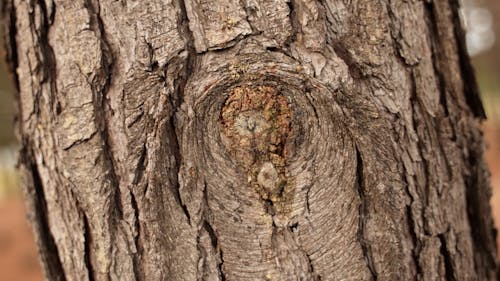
251, 140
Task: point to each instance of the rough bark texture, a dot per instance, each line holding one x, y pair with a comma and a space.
251, 140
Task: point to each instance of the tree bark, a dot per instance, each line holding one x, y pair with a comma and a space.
251, 140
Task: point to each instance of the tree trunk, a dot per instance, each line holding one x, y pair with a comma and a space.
251, 140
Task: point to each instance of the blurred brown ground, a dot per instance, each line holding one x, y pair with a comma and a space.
18, 259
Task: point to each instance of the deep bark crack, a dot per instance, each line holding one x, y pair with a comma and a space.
310, 266
294, 23
141, 166
215, 244
446, 258
363, 211
416, 247
436, 53
47, 246
137, 255
87, 247
100, 101
178, 99
471, 88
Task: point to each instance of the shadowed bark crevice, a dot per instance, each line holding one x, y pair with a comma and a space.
416, 243
436, 55
288, 251
211, 233
295, 24
471, 88
178, 161
183, 28
46, 53
310, 267
215, 244
343, 53
175, 102
363, 212
397, 38
476, 178
88, 248
221, 269
100, 84
141, 166
424, 188
176, 185
479, 213
248, 12
180, 84
448, 266
47, 247
137, 243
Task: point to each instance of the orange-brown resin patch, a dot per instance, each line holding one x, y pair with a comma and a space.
256, 120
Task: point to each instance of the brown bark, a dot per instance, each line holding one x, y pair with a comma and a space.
251, 140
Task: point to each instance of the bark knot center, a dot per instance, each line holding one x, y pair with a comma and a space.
256, 122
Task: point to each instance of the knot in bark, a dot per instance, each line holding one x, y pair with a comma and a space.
256, 120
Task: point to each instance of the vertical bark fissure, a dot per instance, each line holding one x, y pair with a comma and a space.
215, 244
221, 269
448, 266
310, 266
476, 192
178, 99
423, 189
471, 88
138, 248
294, 22
478, 229
396, 41
100, 90
363, 212
87, 247
307, 199
44, 54
436, 54
278, 237
100, 99
141, 166
426, 168
354, 69
46, 50
416, 248
99, 83
47, 246
248, 11
176, 184
204, 224
189, 39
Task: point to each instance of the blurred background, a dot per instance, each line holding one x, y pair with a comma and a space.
18, 260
